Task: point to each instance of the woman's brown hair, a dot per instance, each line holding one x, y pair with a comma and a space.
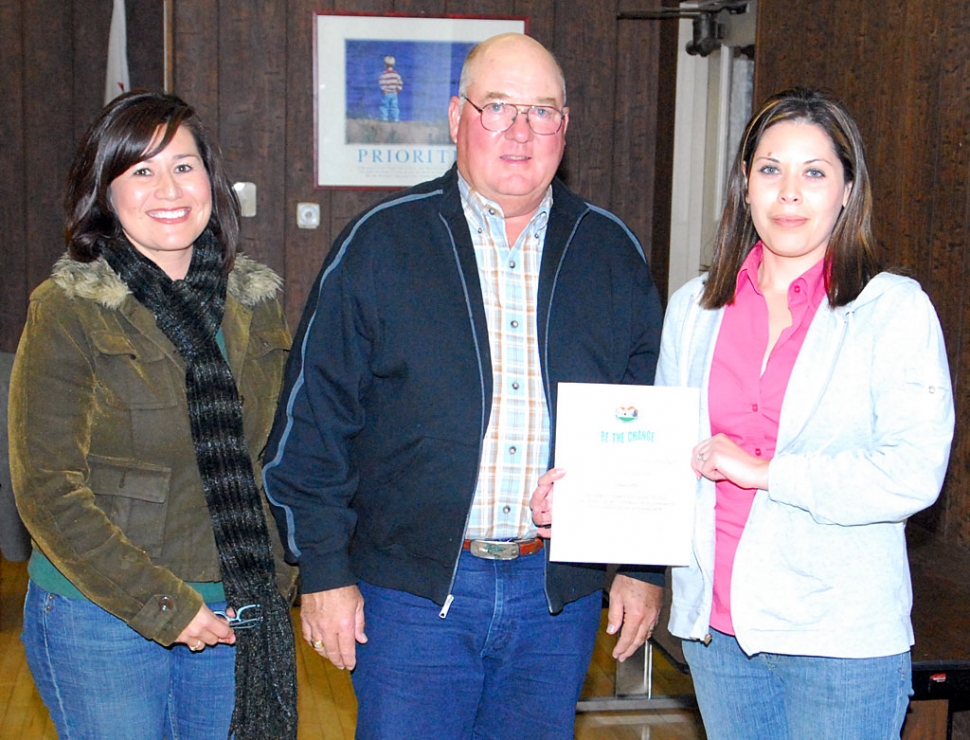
850, 260
123, 135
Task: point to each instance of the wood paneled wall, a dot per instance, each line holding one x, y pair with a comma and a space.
252, 75
247, 67
52, 66
903, 70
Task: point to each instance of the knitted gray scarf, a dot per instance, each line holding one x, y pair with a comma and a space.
189, 312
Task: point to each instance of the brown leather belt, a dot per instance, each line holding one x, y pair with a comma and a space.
502, 549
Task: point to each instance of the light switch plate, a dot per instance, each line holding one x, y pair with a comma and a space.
246, 192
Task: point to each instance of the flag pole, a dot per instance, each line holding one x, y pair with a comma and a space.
168, 46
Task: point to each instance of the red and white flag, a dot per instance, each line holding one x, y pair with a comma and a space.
116, 79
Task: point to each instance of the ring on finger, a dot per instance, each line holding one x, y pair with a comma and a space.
197, 647
317, 644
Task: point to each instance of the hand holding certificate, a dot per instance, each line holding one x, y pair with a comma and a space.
628, 493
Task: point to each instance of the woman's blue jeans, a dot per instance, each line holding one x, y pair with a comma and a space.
795, 697
498, 666
101, 679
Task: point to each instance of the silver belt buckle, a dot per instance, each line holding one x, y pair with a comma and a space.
490, 550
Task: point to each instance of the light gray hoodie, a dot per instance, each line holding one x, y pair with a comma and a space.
863, 443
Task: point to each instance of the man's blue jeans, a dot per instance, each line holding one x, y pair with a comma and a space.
101, 679
498, 666
793, 697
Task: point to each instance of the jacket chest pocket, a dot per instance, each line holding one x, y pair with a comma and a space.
263, 373
134, 373
134, 497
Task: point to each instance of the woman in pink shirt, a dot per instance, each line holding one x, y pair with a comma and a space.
826, 421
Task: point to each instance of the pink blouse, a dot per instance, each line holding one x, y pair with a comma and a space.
745, 403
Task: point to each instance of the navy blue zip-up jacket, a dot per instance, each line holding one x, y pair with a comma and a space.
374, 455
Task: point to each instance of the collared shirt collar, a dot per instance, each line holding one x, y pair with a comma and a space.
478, 208
809, 287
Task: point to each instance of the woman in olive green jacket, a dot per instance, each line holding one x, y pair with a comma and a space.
142, 394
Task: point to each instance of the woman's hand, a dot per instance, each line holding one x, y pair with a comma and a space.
206, 629
541, 503
718, 458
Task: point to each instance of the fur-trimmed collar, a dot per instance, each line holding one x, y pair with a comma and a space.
250, 282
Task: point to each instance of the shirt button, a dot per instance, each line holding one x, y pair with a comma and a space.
515, 385
514, 324
754, 407
480, 229
506, 509
491, 211
511, 264
165, 604
797, 288
757, 451
512, 450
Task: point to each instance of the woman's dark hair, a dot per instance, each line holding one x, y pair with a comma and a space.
850, 260
120, 137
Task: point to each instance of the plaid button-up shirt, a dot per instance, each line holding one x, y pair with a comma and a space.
516, 446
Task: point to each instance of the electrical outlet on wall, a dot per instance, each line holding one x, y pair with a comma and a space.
308, 215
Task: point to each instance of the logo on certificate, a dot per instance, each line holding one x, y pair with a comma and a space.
626, 414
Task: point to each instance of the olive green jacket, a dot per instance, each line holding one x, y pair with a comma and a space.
101, 453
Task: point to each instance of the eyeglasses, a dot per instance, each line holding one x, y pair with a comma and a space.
498, 117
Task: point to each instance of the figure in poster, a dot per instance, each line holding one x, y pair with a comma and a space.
391, 84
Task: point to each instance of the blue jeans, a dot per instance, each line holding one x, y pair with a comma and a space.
498, 666
795, 697
101, 679
390, 111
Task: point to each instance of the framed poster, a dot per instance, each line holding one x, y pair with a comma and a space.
382, 86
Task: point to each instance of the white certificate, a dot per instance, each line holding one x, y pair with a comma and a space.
628, 493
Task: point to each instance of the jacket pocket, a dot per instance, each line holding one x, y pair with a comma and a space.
134, 372
268, 349
416, 497
134, 496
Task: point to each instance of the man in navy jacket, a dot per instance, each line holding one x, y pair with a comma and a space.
419, 410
